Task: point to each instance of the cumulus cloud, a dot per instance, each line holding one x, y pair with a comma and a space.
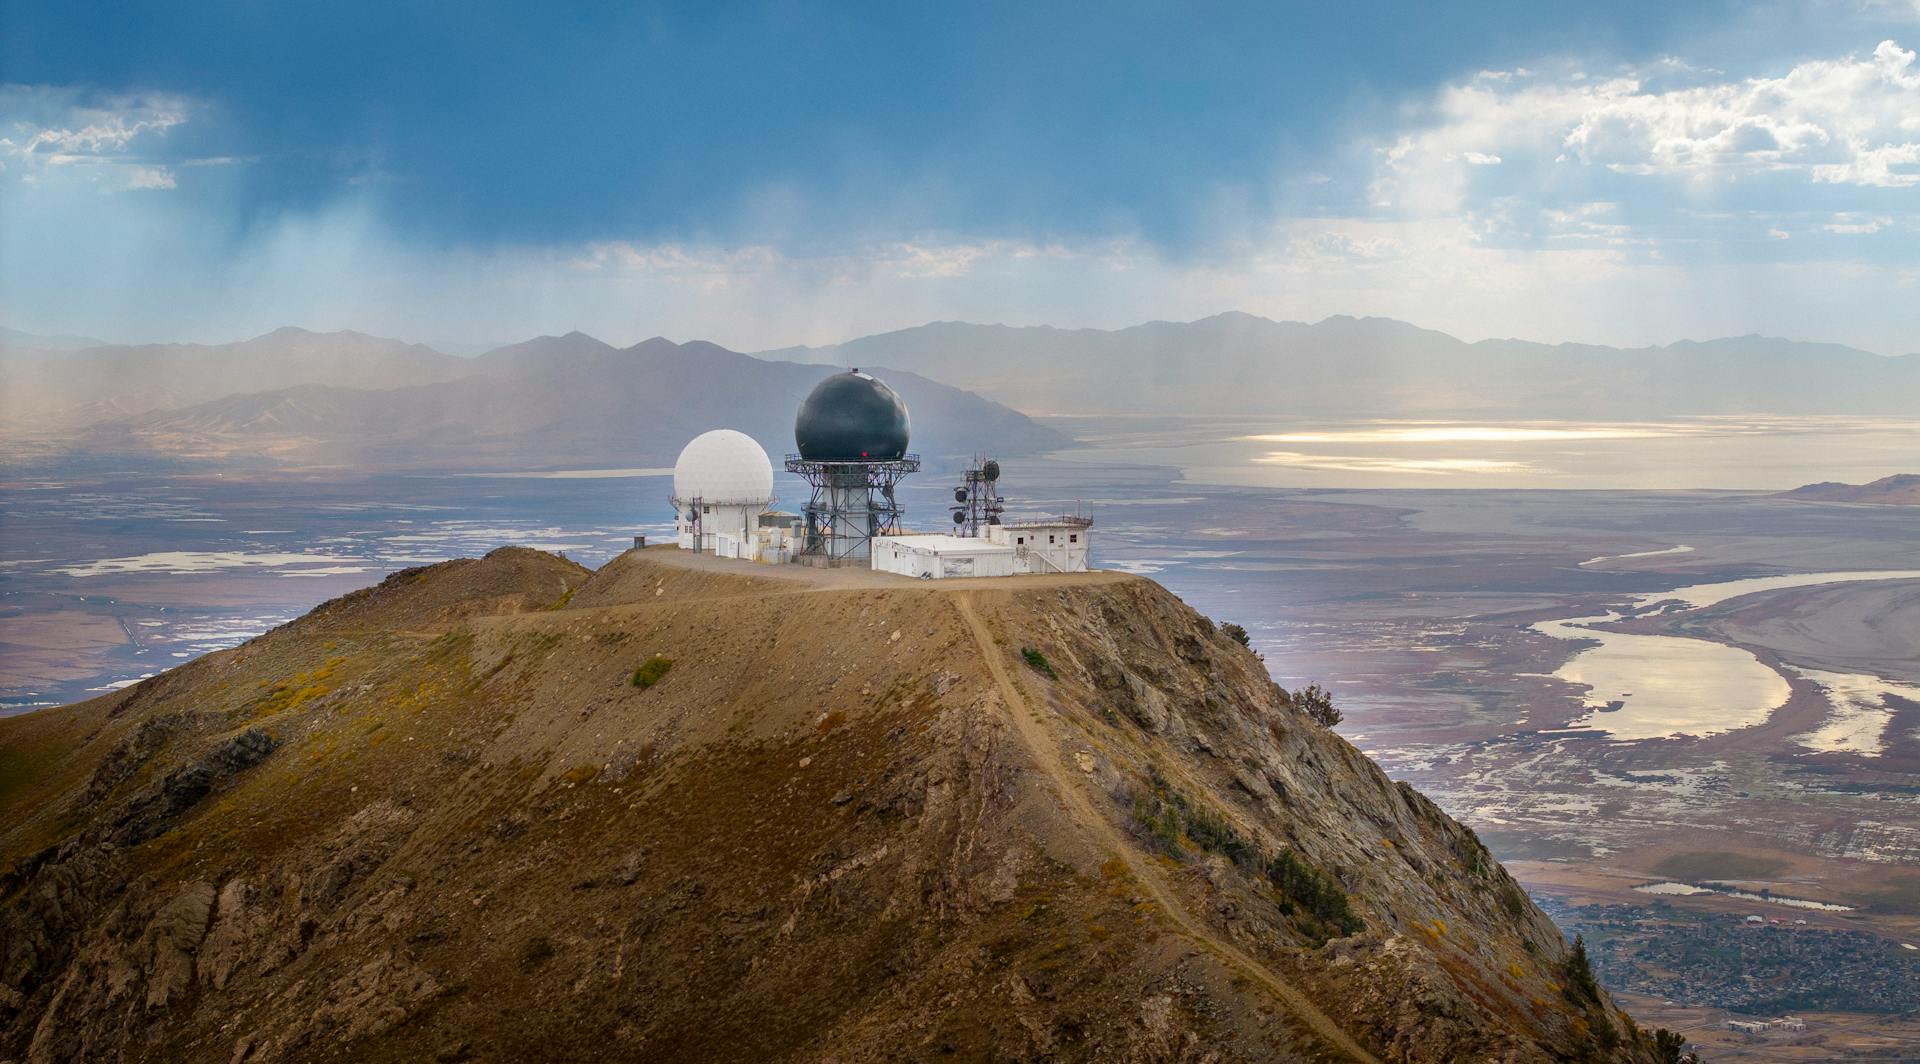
56, 133
1542, 202
150, 266
1853, 120
1855, 225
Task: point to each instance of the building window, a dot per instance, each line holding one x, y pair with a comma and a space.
1050, 537
1019, 539
1073, 537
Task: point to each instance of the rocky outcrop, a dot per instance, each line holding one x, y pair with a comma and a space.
157, 808
79, 937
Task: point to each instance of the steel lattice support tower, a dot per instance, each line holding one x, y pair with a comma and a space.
850, 503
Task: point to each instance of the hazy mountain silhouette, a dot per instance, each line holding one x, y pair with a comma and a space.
553, 400
104, 383
1242, 364
1900, 489
16, 339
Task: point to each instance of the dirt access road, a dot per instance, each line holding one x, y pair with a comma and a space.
1048, 756
1068, 783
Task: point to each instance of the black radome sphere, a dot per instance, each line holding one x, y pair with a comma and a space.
851, 417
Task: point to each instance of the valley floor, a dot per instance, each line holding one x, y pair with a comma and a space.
1417, 608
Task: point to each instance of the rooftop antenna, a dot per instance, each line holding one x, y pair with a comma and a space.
977, 504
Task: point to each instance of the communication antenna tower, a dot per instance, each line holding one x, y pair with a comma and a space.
976, 502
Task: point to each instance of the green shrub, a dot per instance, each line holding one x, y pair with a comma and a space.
1169, 817
1317, 703
1214, 835
1668, 1046
1038, 662
1161, 821
651, 671
1513, 899
1581, 988
1237, 633
1311, 897
1307, 891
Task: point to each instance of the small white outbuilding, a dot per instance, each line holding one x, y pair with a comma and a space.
722, 483
936, 557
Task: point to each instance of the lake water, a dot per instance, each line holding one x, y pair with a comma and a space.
1659, 687
1741, 453
1671, 889
1860, 714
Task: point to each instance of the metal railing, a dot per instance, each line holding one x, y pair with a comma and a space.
1030, 554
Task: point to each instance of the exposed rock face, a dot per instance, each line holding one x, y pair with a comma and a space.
435, 821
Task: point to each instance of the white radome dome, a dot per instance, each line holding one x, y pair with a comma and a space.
724, 468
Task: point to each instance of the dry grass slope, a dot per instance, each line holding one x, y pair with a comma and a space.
438, 820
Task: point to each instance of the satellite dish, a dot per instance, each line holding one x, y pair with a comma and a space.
959, 517
959, 495
991, 470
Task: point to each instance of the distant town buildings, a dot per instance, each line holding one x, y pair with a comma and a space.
1762, 1028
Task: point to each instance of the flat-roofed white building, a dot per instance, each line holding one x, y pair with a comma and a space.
1043, 545
1047, 544
936, 557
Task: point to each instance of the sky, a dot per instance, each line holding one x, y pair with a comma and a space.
767, 174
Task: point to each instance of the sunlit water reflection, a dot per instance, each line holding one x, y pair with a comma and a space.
1659, 687
1741, 453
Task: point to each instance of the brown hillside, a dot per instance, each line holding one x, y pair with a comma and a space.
852, 821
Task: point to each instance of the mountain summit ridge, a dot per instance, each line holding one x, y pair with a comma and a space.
549, 402
843, 817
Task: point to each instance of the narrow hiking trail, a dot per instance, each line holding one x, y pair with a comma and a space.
1067, 782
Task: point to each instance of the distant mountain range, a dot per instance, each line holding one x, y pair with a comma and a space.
1901, 489
351, 400
345, 399
1376, 367
70, 389
16, 339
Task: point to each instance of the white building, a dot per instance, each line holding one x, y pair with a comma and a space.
1045, 545
933, 557
722, 483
